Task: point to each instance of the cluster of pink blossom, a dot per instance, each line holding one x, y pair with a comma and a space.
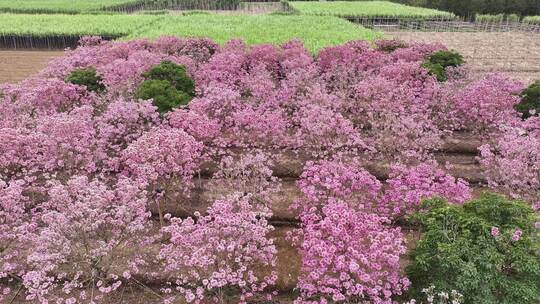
249, 174
488, 103
401, 194
408, 186
79, 170
349, 250
87, 232
349, 255
227, 248
512, 163
348, 182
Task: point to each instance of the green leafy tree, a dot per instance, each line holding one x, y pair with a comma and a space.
168, 85
164, 95
87, 77
173, 73
530, 101
437, 63
488, 249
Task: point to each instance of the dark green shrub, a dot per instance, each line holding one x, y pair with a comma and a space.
168, 85
530, 101
437, 70
174, 74
437, 63
86, 77
446, 58
474, 249
164, 95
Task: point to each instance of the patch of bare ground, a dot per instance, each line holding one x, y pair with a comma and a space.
18, 65
516, 54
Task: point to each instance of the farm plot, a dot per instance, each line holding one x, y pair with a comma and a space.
366, 9
513, 53
58, 6
18, 65
315, 32
60, 31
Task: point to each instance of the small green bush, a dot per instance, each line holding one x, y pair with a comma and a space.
86, 77
173, 73
530, 101
489, 18
512, 18
437, 63
478, 250
168, 85
164, 95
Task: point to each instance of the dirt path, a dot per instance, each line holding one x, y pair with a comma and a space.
18, 65
514, 53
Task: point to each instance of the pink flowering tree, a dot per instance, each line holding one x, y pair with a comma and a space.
88, 241
408, 186
164, 160
250, 174
484, 105
512, 163
346, 181
120, 124
228, 248
15, 225
349, 255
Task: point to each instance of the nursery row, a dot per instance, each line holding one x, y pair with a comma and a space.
369, 9
101, 6
532, 20
106, 152
315, 32
72, 25
57, 6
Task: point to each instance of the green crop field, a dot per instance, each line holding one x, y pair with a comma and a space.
99, 6
315, 32
365, 9
58, 6
72, 25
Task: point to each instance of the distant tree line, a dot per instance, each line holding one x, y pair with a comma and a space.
472, 7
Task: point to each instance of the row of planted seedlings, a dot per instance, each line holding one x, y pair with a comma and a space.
196, 172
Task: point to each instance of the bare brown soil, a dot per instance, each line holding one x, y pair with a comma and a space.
18, 65
514, 53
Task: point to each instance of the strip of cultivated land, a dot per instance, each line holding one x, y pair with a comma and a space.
59, 6
366, 9
59, 31
315, 32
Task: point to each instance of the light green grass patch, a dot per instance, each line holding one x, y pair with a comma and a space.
315, 32
532, 20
